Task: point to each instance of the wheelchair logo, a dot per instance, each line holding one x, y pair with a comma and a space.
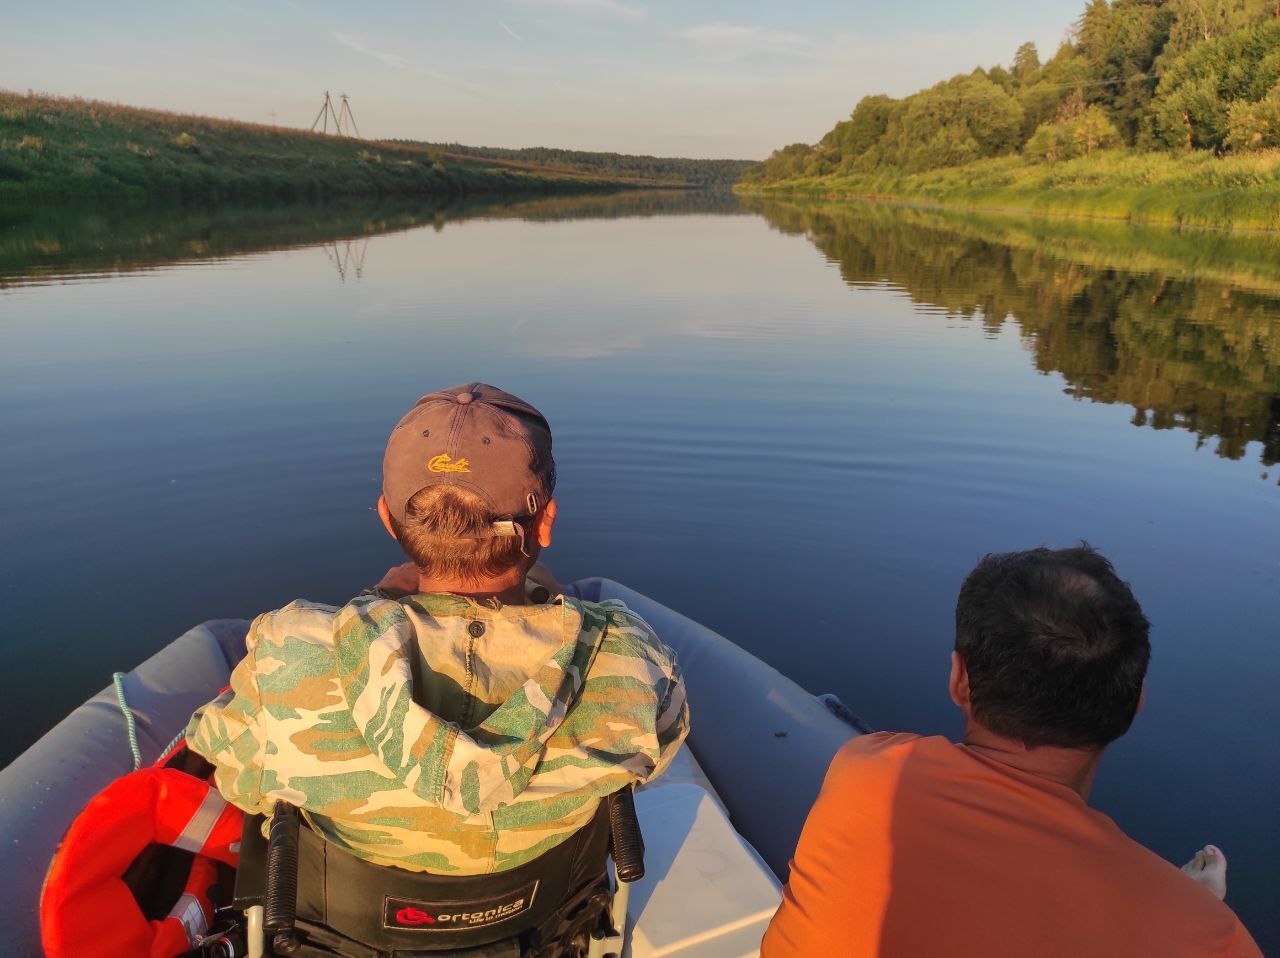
454, 914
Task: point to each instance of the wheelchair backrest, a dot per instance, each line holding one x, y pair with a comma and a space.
345, 905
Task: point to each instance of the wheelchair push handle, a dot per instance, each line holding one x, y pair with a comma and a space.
626, 842
280, 901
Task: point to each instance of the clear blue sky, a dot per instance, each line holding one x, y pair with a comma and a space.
642, 76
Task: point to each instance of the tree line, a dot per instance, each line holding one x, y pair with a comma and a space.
1152, 75
676, 171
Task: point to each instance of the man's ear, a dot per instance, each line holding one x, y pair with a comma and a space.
543, 523
958, 686
384, 513
1142, 697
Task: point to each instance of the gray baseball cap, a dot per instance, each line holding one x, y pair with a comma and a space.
475, 437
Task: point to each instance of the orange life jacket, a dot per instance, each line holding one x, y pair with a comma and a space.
134, 874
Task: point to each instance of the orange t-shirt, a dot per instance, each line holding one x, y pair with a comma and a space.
920, 848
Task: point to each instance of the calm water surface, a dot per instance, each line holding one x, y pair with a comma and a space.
800, 424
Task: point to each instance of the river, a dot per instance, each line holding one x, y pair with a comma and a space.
800, 423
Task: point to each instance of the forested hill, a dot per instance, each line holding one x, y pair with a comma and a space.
1153, 76
674, 170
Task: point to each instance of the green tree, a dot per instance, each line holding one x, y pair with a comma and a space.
1193, 101
1063, 77
1254, 126
869, 121
1155, 74
1093, 130
848, 142
782, 164
1195, 21
959, 120
1125, 73
1076, 134
1001, 78
1093, 32
1026, 62
1121, 42
1045, 143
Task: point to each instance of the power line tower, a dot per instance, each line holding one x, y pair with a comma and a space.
350, 117
326, 111
344, 121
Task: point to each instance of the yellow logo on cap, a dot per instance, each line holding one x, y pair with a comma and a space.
443, 463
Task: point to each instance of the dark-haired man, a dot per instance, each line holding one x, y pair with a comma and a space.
458, 719
920, 847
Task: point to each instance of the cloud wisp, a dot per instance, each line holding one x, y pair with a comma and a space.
510, 32
729, 41
397, 62
613, 8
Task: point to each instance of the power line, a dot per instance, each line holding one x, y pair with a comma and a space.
1090, 83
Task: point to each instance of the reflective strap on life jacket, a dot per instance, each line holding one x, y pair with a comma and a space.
195, 834
192, 913
86, 908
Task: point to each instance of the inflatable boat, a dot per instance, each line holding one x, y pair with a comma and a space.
719, 827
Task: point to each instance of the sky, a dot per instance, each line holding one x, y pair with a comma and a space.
702, 78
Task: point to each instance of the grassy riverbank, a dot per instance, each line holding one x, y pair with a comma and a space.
1196, 189
58, 148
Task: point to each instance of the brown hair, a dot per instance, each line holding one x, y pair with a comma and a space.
435, 534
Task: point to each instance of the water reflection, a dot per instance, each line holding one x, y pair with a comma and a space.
60, 242
1182, 326
347, 256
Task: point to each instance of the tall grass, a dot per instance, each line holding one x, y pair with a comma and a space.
53, 148
1195, 189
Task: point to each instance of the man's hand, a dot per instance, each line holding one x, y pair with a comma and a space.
400, 580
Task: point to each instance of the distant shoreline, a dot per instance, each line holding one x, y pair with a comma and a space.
1201, 191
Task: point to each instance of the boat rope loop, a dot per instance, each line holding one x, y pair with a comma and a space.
130, 723
174, 742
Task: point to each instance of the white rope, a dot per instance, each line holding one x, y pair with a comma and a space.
174, 743
130, 723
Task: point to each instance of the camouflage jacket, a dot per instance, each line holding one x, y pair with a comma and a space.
437, 734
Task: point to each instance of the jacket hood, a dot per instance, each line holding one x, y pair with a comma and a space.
466, 771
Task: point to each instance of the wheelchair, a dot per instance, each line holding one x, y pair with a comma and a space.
299, 896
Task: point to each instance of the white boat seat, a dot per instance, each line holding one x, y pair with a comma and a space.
705, 893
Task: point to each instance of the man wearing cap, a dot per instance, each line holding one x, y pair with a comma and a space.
465, 716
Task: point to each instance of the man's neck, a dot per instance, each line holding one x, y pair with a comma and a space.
1073, 767
507, 589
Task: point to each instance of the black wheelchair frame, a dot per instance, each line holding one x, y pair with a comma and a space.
561, 904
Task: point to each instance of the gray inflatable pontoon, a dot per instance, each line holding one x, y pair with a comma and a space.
758, 750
